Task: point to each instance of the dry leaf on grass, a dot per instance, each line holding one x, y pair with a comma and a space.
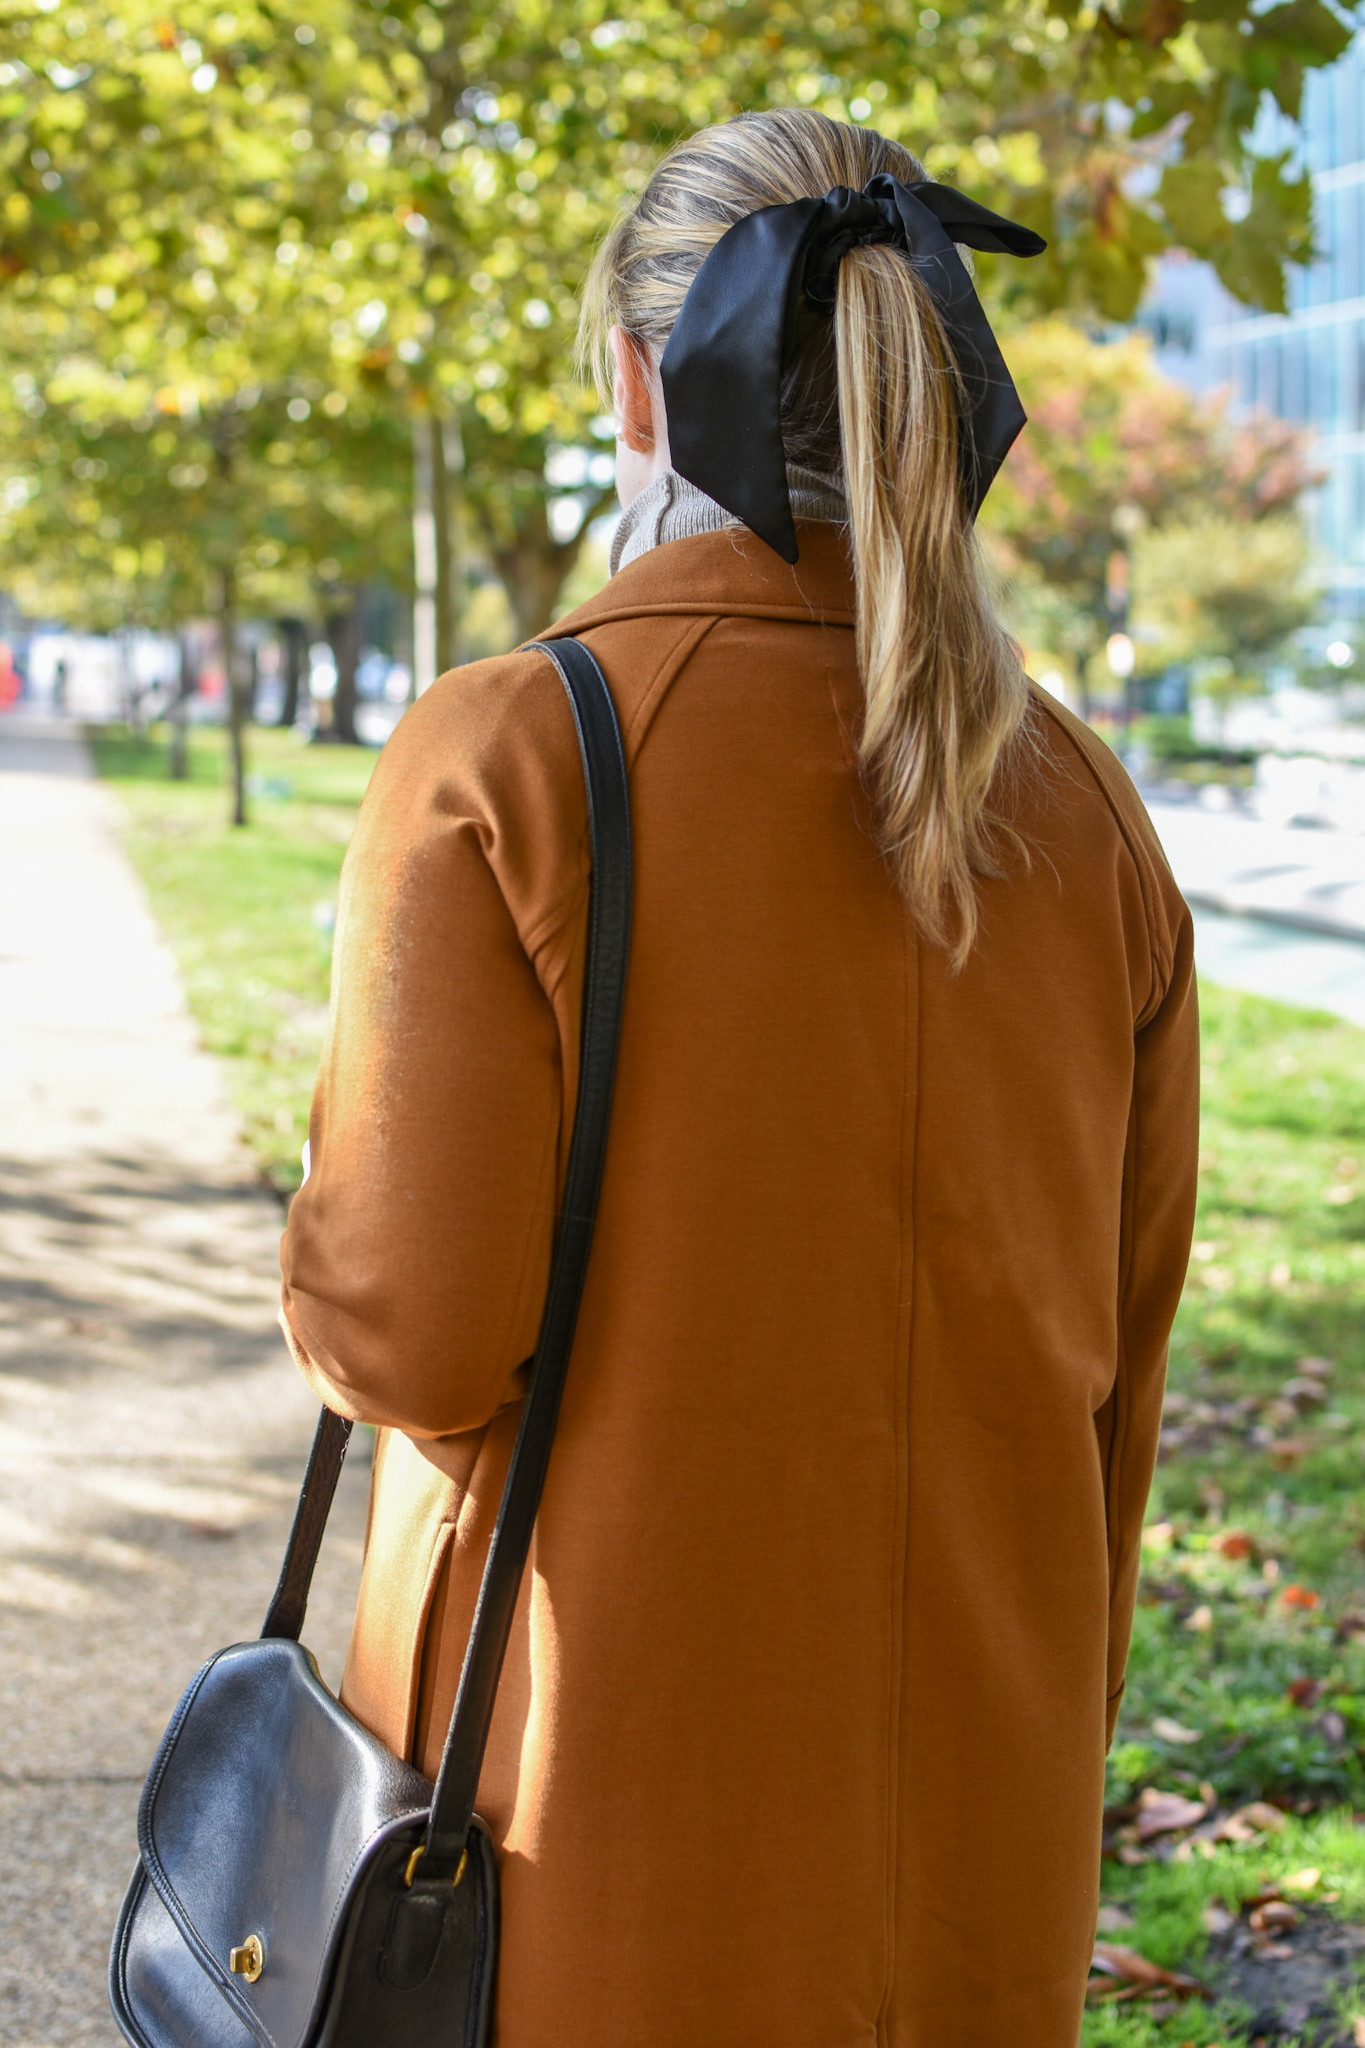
1267, 1820
1247, 1823
1276, 1916
1163, 1813
1168, 1730
1134, 1977
1113, 1920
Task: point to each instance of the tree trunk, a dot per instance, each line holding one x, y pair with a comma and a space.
236, 697
295, 638
186, 684
343, 634
447, 501
532, 567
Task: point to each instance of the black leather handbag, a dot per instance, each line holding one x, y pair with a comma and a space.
298, 1886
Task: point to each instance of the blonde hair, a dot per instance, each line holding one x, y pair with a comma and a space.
872, 399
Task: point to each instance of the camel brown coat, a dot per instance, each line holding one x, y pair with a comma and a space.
801, 1737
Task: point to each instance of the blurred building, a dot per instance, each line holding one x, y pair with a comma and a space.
1307, 365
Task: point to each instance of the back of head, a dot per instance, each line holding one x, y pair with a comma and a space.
872, 399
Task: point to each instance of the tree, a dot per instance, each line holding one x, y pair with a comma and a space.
149, 476
1223, 590
470, 155
1114, 451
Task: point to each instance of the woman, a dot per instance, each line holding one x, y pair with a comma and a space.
800, 1742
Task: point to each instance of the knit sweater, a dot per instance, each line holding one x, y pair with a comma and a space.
671, 508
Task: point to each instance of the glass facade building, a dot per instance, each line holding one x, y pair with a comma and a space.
1307, 365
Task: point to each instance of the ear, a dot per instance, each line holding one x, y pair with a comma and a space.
633, 393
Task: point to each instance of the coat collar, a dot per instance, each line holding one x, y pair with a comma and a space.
729, 573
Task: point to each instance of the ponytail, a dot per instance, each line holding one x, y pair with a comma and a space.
943, 689
945, 695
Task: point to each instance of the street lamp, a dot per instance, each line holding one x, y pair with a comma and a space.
1122, 655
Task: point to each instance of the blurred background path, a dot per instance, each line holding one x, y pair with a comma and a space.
152, 1429
1279, 910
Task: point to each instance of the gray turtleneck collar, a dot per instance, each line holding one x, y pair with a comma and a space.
672, 509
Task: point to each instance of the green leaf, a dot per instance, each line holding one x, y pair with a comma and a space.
1304, 30
1191, 197
1251, 272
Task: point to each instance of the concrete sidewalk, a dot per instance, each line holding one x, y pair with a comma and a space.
1306, 879
152, 1429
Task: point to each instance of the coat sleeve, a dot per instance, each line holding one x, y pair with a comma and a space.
417, 1251
1161, 1166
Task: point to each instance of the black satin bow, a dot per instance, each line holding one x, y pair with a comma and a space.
722, 368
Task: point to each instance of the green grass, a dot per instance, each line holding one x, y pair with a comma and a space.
247, 910
1271, 1688
1270, 1691
1278, 1275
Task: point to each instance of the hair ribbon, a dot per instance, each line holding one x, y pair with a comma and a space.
736, 333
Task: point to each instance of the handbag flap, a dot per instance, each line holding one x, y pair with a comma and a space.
259, 1813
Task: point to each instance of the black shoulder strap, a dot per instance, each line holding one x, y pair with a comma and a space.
604, 771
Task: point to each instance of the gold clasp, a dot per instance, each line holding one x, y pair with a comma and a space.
419, 1853
249, 1960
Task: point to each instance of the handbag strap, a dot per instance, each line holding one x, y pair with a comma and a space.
609, 903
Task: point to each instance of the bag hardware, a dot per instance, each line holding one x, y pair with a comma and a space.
249, 1960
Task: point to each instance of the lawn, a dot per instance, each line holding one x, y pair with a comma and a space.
1246, 1702
247, 911
1247, 1678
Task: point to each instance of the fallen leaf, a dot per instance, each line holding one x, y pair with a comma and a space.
1232, 1828
1288, 1450
1217, 1919
1305, 1692
1333, 1726
1171, 1731
1130, 1857
1304, 1393
1276, 1916
1266, 1819
1201, 1621
1233, 1543
1162, 1813
1301, 1880
1316, 1368
1275, 1952
1113, 1920
1350, 1625
1133, 1969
